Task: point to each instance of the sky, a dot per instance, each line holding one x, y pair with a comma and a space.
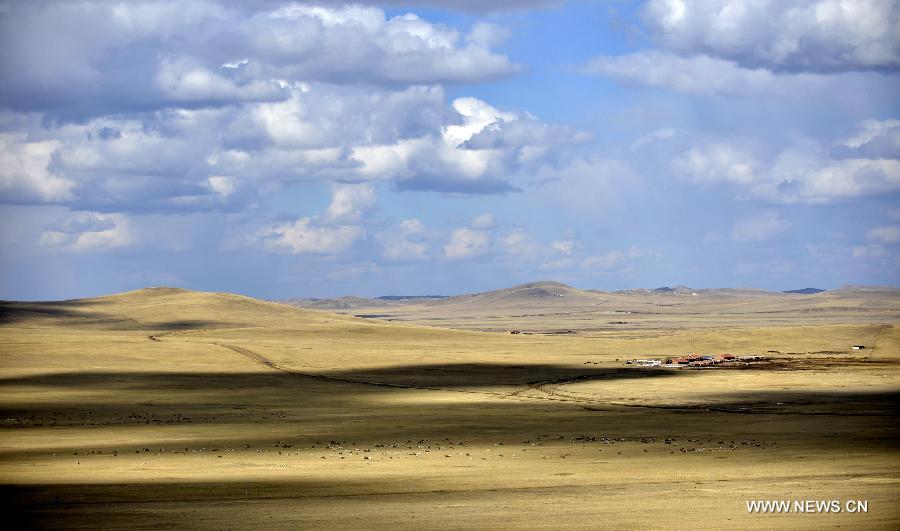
324, 149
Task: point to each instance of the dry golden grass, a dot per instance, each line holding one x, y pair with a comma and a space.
163, 407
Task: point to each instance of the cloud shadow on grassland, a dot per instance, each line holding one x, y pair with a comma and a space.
253, 404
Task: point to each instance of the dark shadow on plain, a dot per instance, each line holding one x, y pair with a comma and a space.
169, 503
447, 375
67, 313
252, 403
62, 312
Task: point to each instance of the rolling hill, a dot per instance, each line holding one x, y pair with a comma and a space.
554, 307
164, 407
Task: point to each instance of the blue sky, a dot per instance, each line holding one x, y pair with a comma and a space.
321, 149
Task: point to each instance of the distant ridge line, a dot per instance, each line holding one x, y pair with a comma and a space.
805, 291
410, 297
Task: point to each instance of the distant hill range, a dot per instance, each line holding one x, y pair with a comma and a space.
556, 307
410, 297
805, 291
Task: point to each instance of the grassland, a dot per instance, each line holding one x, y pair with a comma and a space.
167, 407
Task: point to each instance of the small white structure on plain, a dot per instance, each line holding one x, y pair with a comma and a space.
858, 347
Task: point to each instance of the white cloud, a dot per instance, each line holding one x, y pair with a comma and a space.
461, 159
349, 202
846, 178
305, 237
817, 35
476, 116
356, 42
758, 228
467, 243
183, 81
225, 159
222, 185
760, 47
88, 231
804, 172
870, 130
715, 162
407, 241
113, 57
234, 65
701, 75
25, 174
887, 234
874, 139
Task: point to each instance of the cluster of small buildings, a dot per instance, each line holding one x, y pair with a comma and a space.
694, 360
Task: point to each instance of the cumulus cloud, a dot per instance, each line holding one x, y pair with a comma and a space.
228, 158
407, 241
183, 81
87, 231
103, 57
467, 243
459, 160
758, 228
25, 171
765, 47
805, 172
82, 222
355, 42
222, 185
874, 139
804, 35
201, 105
717, 161
473, 6
333, 232
349, 202
701, 75
304, 236
120, 164
831, 180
